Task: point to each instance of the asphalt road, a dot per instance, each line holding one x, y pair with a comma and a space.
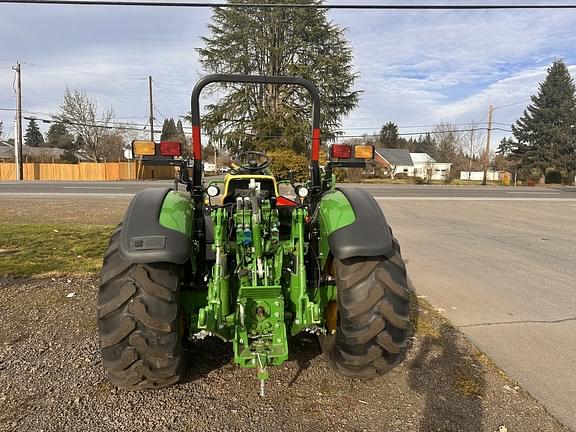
428, 192
504, 273
498, 262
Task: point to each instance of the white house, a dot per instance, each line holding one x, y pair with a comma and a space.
400, 162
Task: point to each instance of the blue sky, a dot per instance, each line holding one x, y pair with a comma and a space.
416, 68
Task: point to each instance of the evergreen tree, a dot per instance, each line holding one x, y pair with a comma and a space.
58, 136
181, 136
389, 137
164, 128
409, 144
426, 144
1, 127
275, 41
545, 133
33, 137
169, 130
72, 148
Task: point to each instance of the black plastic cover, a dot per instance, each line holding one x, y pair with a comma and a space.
369, 235
143, 240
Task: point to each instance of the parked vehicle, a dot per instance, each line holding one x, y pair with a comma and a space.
253, 269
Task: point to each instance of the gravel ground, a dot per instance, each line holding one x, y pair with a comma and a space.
51, 379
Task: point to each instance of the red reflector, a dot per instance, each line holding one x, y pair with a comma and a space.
170, 148
341, 151
283, 201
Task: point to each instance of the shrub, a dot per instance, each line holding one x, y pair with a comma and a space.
421, 181
553, 177
567, 179
285, 161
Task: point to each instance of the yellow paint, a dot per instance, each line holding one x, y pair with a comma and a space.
231, 177
332, 317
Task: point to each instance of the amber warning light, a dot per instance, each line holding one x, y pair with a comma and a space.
143, 148
364, 152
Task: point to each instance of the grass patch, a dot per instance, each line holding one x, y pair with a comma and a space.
468, 383
36, 249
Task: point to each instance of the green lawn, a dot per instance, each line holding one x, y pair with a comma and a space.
38, 249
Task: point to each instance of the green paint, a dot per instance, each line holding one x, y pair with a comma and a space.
176, 212
257, 290
335, 213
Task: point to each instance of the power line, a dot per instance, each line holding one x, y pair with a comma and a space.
158, 111
84, 72
291, 6
411, 126
512, 104
123, 126
86, 124
431, 132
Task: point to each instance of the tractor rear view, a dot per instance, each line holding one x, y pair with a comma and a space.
239, 261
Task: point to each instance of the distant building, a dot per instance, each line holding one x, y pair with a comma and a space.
36, 154
399, 163
45, 154
479, 175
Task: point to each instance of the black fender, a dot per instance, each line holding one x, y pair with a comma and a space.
143, 240
369, 235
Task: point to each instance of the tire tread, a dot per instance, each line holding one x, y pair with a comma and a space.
138, 322
374, 324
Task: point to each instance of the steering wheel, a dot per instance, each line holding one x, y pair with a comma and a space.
251, 161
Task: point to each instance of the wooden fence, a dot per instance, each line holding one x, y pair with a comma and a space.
89, 171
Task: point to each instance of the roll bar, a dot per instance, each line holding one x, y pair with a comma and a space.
255, 79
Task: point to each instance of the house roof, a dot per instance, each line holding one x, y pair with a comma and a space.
395, 156
421, 158
49, 152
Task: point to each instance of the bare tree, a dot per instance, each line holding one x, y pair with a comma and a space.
429, 168
450, 147
80, 114
118, 140
473, 147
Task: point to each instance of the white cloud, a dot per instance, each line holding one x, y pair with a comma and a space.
416, 68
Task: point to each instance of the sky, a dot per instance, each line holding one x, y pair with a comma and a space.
416, 68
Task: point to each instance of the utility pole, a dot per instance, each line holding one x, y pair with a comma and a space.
151, 120
487, 149
151, 108
18, 146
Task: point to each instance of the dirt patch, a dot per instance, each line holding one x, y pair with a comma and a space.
51, 379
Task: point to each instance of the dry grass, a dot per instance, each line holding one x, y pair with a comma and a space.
43, 249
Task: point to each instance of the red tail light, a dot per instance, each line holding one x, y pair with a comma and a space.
170, 148
341, 151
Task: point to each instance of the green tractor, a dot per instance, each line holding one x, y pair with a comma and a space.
253, 269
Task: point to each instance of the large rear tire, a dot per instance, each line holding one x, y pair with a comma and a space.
140, 322
373, 316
